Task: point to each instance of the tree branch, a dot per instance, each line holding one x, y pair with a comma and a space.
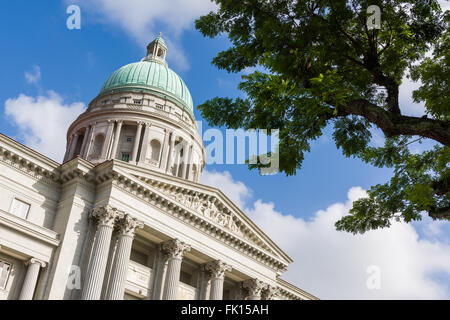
394, 125
440, 213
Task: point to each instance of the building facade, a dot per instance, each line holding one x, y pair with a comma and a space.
124, 216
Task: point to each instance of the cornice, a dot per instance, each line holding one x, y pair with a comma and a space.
78, 168
154, 92
292, 292
24, 226
42, 168
10, 143
30, 163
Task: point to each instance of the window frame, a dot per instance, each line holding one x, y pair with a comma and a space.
22, 201
10, 264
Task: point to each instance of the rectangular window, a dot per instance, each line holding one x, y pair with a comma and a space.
138, 257
186, 277
125, 157
129, 139
5, 269
20, 208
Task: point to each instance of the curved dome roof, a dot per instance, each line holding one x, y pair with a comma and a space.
150, 76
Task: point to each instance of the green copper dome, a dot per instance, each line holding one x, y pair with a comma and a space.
150, 76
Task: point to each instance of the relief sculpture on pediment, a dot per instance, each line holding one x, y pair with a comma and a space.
207, 209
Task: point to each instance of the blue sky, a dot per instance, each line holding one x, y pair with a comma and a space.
75, 63
66, 69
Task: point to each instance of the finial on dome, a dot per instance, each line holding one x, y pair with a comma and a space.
157, 50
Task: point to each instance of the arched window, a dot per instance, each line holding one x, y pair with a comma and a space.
98, 146
155, 150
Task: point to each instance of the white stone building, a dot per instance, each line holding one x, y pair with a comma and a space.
124, 216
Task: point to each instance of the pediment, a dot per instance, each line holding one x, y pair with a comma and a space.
209, 204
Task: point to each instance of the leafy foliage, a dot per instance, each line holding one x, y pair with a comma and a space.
321, 64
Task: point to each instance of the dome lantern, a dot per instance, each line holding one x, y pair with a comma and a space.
157, 50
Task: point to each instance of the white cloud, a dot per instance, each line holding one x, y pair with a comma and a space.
333, 265
445, 5
33, 77
235, 190
140, 18
43, 121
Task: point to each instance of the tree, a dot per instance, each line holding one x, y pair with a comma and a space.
323, 64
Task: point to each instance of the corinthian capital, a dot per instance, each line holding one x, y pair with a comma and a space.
127, 226
106, 215
217, 268
254, 286
175, 248
270, 293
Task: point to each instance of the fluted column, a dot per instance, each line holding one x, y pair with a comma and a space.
137, 139
164, 149
171, 156
73, 146
191, 154
106, 217
85, 140
90, 141
107, 142
116, 139
254, 287
205, 283
126, 229
160, 271
145, 143
186, 150
109, 265
174, 250
216, 271
29, 284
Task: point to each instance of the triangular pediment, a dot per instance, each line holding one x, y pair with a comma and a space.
208, 203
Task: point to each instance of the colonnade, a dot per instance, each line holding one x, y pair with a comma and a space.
167, 277
174, 156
